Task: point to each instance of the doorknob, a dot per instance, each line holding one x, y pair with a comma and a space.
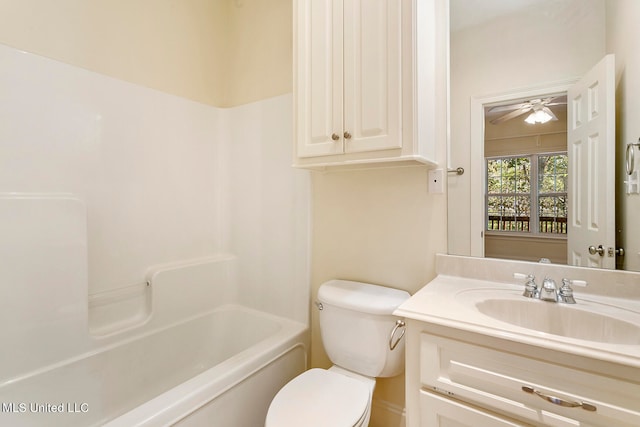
335, 137
599, 250
347, 135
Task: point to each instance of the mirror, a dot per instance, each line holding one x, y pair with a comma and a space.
502, 49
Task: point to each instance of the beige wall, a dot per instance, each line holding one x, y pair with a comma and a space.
525, 248
219, 52
260, 63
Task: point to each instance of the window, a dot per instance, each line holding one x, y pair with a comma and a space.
510, 194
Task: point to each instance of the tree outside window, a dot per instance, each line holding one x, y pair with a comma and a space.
510, 194
552, 193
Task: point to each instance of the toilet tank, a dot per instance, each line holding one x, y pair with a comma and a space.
356, 323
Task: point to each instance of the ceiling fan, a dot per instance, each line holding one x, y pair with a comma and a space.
539, 108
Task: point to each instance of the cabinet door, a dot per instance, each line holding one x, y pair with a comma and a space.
372, 74
440, 411
318, 77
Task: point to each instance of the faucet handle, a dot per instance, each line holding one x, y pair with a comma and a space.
574, 282
565, 293
530, 287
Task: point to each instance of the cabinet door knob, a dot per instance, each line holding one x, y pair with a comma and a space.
335, 137
347, 135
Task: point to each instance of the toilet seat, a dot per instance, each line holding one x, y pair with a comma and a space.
320, 398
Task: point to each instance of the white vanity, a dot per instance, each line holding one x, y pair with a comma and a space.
479, 353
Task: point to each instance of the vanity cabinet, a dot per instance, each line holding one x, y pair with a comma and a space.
359, 84
460, 378
440, 411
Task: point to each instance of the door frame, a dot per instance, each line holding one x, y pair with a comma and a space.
476, 165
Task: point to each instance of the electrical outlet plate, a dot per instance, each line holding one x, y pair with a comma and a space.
436, 181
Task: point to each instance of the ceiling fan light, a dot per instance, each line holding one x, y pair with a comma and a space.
538, 116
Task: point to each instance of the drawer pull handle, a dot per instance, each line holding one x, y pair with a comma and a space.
559, 401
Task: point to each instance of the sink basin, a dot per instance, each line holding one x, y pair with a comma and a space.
569, 321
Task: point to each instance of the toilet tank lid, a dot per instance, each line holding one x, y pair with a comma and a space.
362, 297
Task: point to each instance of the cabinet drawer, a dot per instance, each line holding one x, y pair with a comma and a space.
497, 379
439, 411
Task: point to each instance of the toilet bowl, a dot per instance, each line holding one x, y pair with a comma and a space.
361, 337
321, 398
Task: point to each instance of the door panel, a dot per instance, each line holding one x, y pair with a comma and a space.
372, 59
318, 79
439, 411
591, 151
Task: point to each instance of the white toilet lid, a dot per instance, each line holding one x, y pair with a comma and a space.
319, 398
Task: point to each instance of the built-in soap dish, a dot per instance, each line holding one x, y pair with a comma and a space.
119, 309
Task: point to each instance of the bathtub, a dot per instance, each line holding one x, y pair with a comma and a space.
220, 368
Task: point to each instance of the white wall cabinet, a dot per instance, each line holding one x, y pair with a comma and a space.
365, 74
457, 378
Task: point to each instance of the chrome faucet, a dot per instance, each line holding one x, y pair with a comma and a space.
549, 291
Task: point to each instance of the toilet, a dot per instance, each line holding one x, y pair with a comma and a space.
363, 340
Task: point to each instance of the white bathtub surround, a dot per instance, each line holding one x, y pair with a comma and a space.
163, 179
269, 208
171, 293
43, 299
194, 352
163, 377
246, 358
105, 186
145, 164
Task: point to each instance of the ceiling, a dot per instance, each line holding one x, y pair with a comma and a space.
468, 13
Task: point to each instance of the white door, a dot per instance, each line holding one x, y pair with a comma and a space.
591, 151
372, 71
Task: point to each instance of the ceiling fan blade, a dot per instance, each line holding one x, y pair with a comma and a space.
501, 108
555, 103
511, 115
555, 100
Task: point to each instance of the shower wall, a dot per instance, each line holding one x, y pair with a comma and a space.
269, 208
157, 178
145, 164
